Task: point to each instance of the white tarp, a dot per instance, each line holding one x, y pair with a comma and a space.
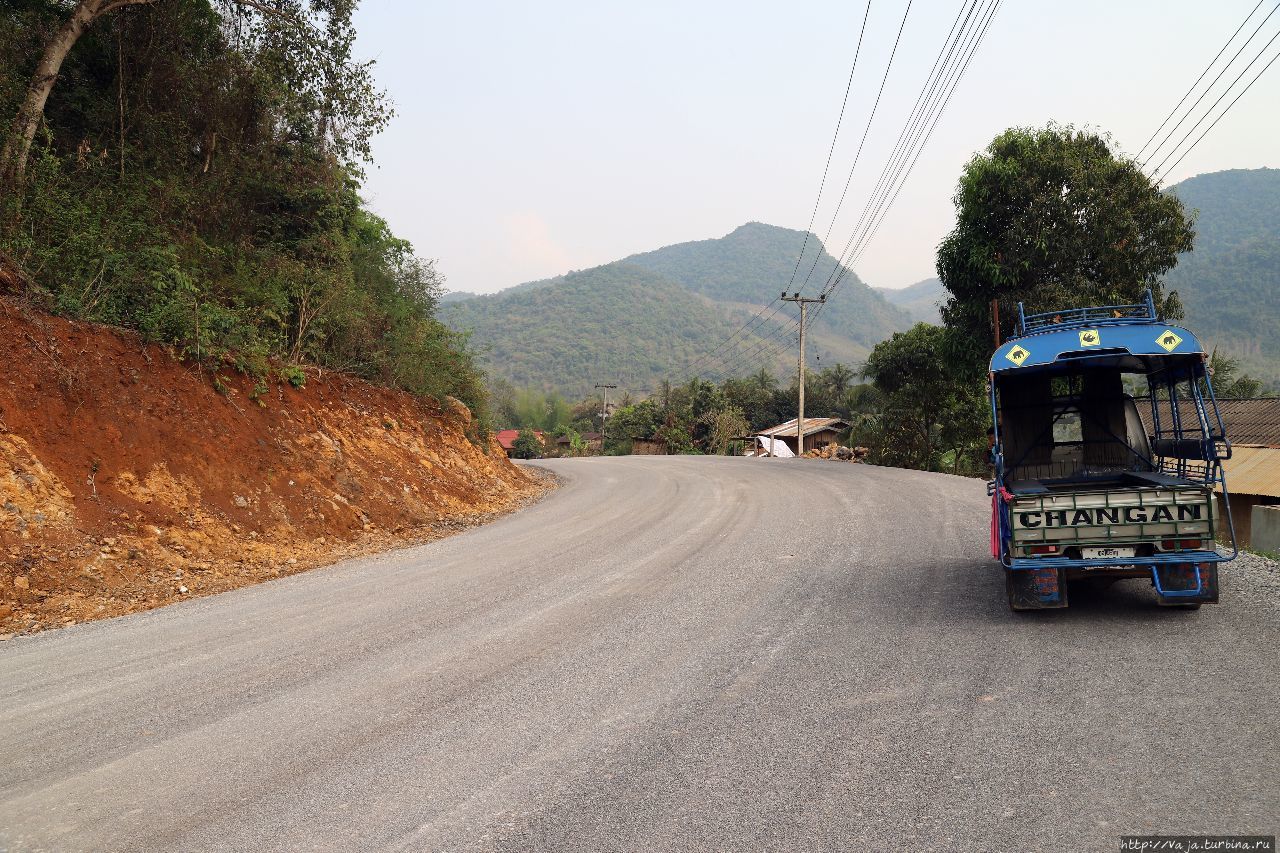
780, 449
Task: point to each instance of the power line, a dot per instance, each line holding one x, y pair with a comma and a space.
726, 354
758, 319
879, 204
916, 120
1214, 105
937, 117
932, 101
1209, 88
776, 340
1198, 79
1224, 112
772, 342
858, 156
832, 150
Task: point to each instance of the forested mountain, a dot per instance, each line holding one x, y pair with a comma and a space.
617, 323
1230, 282
649, 316
755, 262
920, 299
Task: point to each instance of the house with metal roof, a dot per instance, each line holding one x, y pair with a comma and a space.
507, 438
817, 432
1253, 471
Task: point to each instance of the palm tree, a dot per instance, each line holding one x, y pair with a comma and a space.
838, 379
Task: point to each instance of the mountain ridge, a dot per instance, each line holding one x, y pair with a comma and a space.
920, 299
710, 289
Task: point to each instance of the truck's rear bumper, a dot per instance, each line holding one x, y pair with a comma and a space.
1164, 559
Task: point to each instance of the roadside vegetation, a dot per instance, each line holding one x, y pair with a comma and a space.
192, 172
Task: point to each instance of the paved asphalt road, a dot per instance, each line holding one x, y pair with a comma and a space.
666, 654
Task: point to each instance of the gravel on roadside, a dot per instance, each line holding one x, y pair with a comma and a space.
1252, 577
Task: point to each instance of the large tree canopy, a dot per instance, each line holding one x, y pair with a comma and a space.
1053, 218
300, 50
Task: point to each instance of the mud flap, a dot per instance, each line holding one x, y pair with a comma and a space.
1181, 577
1035, 589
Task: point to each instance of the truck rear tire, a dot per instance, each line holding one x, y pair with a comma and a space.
1186, 580
1027, 589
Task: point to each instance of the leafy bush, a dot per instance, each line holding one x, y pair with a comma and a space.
526, 445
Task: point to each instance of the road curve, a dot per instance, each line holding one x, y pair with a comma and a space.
665, 654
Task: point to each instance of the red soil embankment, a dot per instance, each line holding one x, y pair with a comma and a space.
128, 481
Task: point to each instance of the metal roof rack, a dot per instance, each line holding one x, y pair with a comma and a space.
1077, 318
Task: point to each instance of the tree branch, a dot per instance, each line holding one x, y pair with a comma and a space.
118, 4
262, 7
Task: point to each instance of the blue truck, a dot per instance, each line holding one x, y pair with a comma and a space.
1108, 447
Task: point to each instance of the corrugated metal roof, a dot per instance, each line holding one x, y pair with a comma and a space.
811, 425
1252, 421
1253, 470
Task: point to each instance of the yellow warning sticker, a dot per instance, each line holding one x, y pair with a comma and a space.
1168, 340
1090, 338
1017, 355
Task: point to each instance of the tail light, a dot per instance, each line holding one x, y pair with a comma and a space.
1044, 549
1182, 544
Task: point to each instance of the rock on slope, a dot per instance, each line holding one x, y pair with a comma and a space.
128, 481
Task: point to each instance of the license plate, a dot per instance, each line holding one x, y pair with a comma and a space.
1107, 553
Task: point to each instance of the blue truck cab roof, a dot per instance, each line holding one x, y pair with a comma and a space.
1130, 338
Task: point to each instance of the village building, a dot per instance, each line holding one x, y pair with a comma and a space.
818, 432
593, 440
1253, 471
649, 447
507, 438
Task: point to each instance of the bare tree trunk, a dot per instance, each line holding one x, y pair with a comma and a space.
13, 159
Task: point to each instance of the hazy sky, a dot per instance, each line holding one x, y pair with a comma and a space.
532, 139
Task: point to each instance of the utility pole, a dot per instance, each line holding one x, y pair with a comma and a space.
802, 301
604, 412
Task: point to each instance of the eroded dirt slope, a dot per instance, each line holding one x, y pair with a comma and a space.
128, 481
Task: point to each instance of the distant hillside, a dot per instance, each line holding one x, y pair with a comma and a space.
649, 316
1230, 282
753, 265
920, 299
615, 323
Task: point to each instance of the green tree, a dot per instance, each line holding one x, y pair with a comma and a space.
526, 445
756, 397
838, 379
632, 423
538, 410
1054, 218
927, 411
1229, 382
305, 45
